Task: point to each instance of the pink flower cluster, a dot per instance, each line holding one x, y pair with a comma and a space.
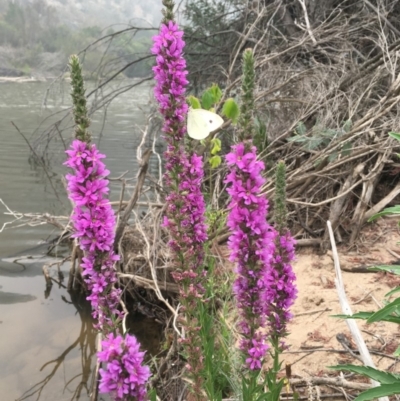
252, 248
185, 211
264, 287
94, 223
281, 290
184, 173
125, 376
170, 76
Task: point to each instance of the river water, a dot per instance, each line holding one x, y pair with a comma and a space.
47, 342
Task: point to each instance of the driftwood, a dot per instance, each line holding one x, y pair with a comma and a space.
334, 381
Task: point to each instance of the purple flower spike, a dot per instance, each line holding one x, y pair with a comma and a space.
252, 249
94, 221
185, 206
184, 173
280, 289
124, 376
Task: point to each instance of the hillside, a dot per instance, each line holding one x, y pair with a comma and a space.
97, 12
38, 36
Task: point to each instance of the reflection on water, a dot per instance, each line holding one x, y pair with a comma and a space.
48, 342
77, 384
12, 298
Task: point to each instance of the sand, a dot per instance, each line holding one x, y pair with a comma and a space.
314, 331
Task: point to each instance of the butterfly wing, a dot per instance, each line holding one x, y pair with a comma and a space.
197, 126
213, 120
202, 122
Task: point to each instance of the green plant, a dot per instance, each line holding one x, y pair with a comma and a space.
321, 137
230, 109
216, 336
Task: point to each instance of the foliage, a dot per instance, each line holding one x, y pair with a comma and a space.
260, 135
216, 336
230, 109
205, 18
321, 137
216, 219
36, 28
215, 159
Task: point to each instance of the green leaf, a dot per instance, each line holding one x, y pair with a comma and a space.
329, 133
260, 134
389, 210
215, 161
314, 142
394, 291
301, 128
395, 269
397, 352
216, 93
153, 395
332, 157
260, 126
299, 139
377, 392
385, 312
374, 374
194, 103
216, 146
346, 149
207, 100
347, 126
395, 135
231, 110
367, 315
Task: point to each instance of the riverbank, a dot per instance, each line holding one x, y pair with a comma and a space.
23, 79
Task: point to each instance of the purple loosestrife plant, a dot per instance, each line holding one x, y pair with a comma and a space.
264, 286
252, 246
94, 224
280, 289
185, 210
93, 220
252, 239
280, 285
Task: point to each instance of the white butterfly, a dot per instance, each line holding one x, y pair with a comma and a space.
200, 123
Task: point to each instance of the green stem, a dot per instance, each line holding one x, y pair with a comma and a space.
275, 368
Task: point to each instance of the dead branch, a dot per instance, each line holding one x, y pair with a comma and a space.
135, 196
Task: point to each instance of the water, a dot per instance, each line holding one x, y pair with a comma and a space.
47, 348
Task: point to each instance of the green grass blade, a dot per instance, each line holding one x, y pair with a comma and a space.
375, 374
377, 392
395, 269
385, 312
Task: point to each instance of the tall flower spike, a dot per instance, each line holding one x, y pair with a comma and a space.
281, 290
280, 209
185, 209
252, 239
82, 121
245, 124
168, 11
93, 220
251, 244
